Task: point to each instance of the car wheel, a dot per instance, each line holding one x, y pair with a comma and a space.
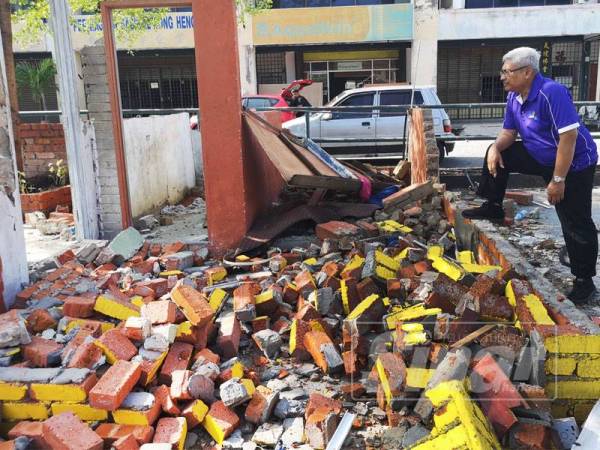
442, 149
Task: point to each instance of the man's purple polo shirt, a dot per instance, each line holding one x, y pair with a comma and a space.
547, 112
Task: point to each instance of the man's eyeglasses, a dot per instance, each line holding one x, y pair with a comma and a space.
507, 72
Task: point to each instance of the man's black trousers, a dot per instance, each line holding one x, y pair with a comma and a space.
574, 211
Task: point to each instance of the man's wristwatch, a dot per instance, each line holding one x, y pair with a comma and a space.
557, 179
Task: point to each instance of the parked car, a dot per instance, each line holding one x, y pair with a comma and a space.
373, 124
276, 101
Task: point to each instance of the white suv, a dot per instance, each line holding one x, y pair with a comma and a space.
374, 125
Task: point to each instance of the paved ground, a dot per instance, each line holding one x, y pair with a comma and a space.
40, 247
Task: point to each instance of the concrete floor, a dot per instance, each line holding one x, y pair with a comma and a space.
40, 247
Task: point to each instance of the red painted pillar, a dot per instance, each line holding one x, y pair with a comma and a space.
217, 68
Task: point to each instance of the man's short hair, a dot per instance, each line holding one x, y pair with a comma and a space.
524, 56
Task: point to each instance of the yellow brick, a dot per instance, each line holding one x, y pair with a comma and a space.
249, 385
560, 366
573, 389
573, 344
212, 426
510, 294
435, 251
410, 313
168, 273
454, 438
385, 383
449, 268
344, 292
12, 391
362, 307
217, 275
237, 370
184, 329
417, 377
130, 417
479, 268
242, 258
402, 255
59, 392
466, 257
117, 310
311, 261
83, 411
386, 260
384, 273
216, 299
589, 367
356, 262
199, 410
538, 310
157, 363
391, 226
415, 338
138, 300
24, 411
111, 358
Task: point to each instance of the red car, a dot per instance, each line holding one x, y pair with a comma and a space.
276, 101
268, 101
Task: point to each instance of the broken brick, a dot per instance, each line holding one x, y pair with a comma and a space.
228, 340
82, 307
42, 352
116, 383
194, 305
220, 422
40, 320
159, 312
111, 432
67, 432
178, 358
116, 346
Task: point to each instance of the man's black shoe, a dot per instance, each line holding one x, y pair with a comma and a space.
487, 211
583, 291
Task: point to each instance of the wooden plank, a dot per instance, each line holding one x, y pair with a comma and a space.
410, 194
321, 182
472, 336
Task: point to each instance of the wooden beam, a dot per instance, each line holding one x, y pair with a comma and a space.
472, 336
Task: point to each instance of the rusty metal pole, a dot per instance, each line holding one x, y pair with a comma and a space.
217, 65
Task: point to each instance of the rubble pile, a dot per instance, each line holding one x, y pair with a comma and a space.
383, 336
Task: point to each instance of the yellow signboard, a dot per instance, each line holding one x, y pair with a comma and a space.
374, 23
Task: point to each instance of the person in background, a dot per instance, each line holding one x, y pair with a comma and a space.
298, 101
554, 145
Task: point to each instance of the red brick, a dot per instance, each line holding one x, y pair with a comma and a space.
194, 305
159, 312
40, 320
82, 307
227, 419
118, 344
366, 287
163, 396
86, 356
178, 358
42, 352
126, 443
179, 384
260, 323
305, 282
395, 371
497, 395
369, 228
207, 355
520, 197
67, 255
31, 430
337, 230
115, 385
244, 302
111, 432
174, 247
319, 401
67, 432
170, 430
228, 340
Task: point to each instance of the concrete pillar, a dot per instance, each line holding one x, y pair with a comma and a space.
13, 259
425, 43
290, 66
409, 65
96, 88
79, 155
215, 35
247, 53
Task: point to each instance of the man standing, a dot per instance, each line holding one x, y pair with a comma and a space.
555, 146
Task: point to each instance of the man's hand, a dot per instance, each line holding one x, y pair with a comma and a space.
494, 159
556, 192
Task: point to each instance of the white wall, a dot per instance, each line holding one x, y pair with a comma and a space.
160, 160
12, 239
535, 21
247, 56
423, 58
